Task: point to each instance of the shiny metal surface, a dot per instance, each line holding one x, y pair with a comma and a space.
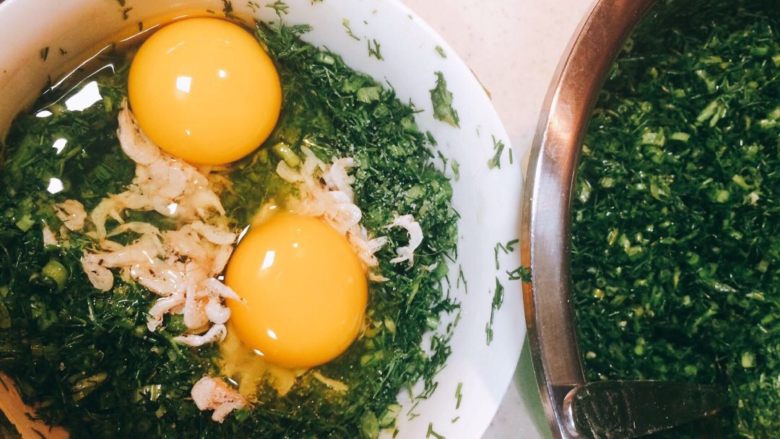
629, 409
546, 201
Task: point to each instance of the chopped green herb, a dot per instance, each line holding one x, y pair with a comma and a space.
345, 24
369, 425
520, 273
55, 271
126, 12
458, 395
284, 152
498, 149
675, 234
430, 138
25, 223
44, 53
388, 419
506, 248
411, 414
495, 305
462, 279
368, 95
680, 137
748, 360
280, 7
441, 52
374, 49
432, 434
444, 160
441, 98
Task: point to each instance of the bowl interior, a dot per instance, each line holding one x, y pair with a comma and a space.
486, 197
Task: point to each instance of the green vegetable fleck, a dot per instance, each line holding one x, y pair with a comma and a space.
495, 305
55, 271
374, 49
348, 28
280, 7
498, 150
441, 98
431, 433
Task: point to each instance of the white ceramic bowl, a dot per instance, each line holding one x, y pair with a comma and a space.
487, 199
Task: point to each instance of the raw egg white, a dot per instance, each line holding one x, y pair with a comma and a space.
304, 291
204, 90
250, 372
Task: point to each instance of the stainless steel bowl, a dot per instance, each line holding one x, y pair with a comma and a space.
546, 202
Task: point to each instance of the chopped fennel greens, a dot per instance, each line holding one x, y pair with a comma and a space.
455, 166
280, 7
504, 248
431, 433
441, 98
495, 305
345, 24
676, 234
374, 49
458, 395
521, 273
498, 150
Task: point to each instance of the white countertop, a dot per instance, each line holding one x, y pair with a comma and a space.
513, 47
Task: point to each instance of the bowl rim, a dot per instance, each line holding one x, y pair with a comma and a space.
546, 220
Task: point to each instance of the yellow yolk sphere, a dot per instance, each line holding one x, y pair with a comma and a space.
204, 90
304, 291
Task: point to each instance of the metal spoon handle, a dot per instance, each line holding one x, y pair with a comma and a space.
626, 409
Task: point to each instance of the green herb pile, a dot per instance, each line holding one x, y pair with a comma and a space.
86, 358
676, 232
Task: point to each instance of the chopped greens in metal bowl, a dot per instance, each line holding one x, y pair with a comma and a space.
676, 211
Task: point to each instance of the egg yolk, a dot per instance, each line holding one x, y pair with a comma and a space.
303, 290
204, 90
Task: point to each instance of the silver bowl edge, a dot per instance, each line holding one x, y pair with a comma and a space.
545, 221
